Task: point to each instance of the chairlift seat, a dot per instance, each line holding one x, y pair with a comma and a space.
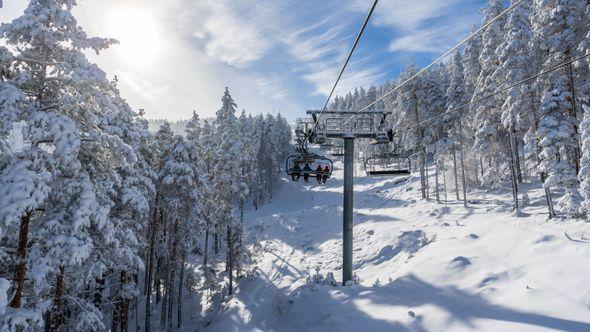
310, 158
390, 172
388, 164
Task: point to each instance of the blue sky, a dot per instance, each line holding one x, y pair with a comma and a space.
177, 56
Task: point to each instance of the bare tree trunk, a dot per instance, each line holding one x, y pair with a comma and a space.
270, 178
165, 286
426, 175
481, 167
172, 273
462, 157
230, 259
511, 140
56, 312
444, 174
476, 172
573, 114
548, 197
216, 240
422, 172
206, 249
21, 264
436, 180
158, 281
150, 266
455, 172
241, 211
123, 304
517, 157
180, 287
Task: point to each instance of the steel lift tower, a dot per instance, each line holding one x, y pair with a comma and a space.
348, 126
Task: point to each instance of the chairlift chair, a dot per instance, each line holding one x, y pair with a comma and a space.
383, 135
318, 135
337, 151
327, 145
388, 164
308, 158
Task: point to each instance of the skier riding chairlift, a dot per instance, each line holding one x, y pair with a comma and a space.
326, 173
306, 171
318, 173
296, 172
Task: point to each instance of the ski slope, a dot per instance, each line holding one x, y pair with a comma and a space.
420, 269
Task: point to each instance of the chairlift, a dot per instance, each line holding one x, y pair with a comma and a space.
327, 145
383, 135
311, 159
388, 164
337, 151
318, 136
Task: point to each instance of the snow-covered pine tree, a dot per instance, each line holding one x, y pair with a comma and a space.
456, 96
515, 61
410, 117
584, 174
487, 112
431, 104
555, 131
71, 166
181, 201
227, 173
559, 25
584, 66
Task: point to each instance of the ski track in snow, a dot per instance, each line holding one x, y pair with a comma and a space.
471, 268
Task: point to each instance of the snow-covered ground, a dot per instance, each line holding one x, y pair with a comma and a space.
420, 269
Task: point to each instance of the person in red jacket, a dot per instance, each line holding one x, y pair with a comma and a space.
325, 174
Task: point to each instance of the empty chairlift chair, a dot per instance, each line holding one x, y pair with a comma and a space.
337, 151
318, 136
388, 164
383, 135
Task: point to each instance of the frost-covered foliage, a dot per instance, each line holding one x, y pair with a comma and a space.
528, 132
96, 211
556, 131
204, 180
584, 174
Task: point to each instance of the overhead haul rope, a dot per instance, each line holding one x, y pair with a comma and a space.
526, 80
444, 55
561, 65
356, 40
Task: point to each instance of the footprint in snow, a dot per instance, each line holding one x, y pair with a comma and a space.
546, 238
493, 278
460, 262
473, 236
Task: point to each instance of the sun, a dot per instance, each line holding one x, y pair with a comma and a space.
138, 33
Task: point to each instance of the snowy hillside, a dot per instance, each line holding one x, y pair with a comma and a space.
112, 222
475, 268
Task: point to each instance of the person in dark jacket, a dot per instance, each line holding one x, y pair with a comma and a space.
318, 174
306, 172
296, 172
326, 173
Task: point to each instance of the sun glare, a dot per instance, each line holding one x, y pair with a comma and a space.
138, 34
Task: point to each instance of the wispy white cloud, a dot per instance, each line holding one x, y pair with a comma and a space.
236, 33
407, 15
431, 40
424, 26
273, 54
322, 48
272, 87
